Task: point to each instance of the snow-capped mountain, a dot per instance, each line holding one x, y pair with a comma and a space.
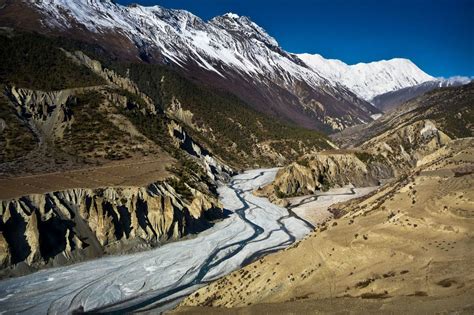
368, 80
225, 41
229, 52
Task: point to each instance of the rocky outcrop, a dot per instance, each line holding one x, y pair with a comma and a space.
389, 154
449, 109
322, 171
176, 111
402, 147
5, 255
67, 226
46, 112
111, 77
215, 169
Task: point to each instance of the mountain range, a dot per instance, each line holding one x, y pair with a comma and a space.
230, 172
230, 52
391, 100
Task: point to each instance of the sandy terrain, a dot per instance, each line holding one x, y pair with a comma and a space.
314, 208
406, 248
121, 173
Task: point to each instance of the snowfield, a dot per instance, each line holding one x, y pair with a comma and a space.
368, 80
159, 279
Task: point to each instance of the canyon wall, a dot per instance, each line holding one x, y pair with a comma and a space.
68, 226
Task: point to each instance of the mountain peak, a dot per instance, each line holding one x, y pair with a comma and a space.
244, 26
230, 41
369, 79
231, 15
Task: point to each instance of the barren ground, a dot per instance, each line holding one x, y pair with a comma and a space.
406, 247
314, 208
131, 172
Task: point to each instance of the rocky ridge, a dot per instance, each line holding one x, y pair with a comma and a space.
385, 148
322, 171
98, 123
449, 108
68, 226
388, 155
228, 52
391, 100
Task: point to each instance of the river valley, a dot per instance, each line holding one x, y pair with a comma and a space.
161, 278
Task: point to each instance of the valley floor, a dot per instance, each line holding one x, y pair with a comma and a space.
314, 208
160, 278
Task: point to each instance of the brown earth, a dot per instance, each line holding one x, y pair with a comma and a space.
131, 172
406, 247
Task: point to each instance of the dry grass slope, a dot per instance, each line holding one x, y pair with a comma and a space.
407, 246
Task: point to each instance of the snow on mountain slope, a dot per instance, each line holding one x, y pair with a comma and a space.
393, 99
230, 41
179, 34
368, 80
234, 53
229, 52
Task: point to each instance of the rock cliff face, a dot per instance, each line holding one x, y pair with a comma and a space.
402, 147
111, 77
47, 111
215, 169
99, 123
322, 171
390, 154
70, 225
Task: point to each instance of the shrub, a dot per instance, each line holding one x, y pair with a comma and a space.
36, 62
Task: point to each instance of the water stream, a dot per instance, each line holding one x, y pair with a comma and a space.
160, 278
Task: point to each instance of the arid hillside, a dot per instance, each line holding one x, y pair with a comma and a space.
449, 108
406, 245
384, 149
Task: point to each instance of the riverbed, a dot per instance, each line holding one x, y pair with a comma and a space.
160, 278
314, 208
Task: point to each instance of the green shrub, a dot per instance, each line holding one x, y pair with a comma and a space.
17, 139
236, 128
34, 61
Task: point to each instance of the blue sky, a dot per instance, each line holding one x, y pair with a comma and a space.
437, 35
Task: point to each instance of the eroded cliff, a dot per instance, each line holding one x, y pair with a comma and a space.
390, 154
67, 226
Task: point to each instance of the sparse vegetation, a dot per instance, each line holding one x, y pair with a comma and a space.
363, 156
452, 109
92, 134
180, 187
234, 130
279, 193
16, 138
36, 62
